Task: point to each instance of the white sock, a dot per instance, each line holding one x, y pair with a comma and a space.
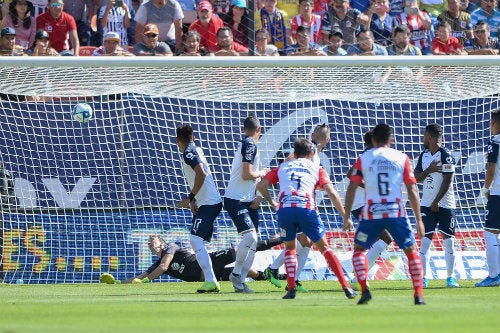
449, 255
491, 244
203, 258
247, 265
278, 261
425, 244
248, 242
375, 251
302, 254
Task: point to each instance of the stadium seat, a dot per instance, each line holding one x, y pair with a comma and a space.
86, 50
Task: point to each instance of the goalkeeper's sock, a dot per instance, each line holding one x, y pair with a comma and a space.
335, 266
360, 265
203, 258
449, 255
416, 273
290, 268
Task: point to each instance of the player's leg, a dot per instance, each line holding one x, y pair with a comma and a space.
491, 242
247, 265
201, 231
385, 239
447, 223
220, 259
402, 232
266, 244
287, 222
313, 227
430, 221
303, 248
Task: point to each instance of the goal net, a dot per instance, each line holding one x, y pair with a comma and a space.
86, 197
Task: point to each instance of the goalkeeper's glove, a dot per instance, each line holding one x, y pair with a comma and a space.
145, 280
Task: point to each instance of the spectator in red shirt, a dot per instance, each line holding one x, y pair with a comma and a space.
444, 43
207, 25
226, 46
61, 27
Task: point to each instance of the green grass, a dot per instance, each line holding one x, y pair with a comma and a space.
175, 307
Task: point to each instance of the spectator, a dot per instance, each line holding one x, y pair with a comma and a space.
382, 23
39, 7
150, 45
419, 23
20, 19
207, 26
261, 46
78, 9
401, 43
488, 13
226, 46
8, 43
304, 46
115, 16
41, 46
163, 13
444, 43
191, 44
366, 45
307, 18
482, 43
276, 22
468, 6
239, 22
221, 7
345, 18
61, 28
335, 41
459, 20
111, 46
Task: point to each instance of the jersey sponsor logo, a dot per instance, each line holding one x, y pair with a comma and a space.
383, 208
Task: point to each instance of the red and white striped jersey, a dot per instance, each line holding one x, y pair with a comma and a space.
419, 35
314, 24
298, 180
383, 170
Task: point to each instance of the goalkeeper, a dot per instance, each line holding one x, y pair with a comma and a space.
181, 264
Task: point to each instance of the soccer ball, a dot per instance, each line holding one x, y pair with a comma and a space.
82, 112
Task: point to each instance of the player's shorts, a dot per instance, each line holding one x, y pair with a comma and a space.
244, 218
445, 217
202, 224
294, 220
492, 220
368, 231
220, 259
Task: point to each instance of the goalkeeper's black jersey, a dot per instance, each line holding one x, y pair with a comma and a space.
183, 266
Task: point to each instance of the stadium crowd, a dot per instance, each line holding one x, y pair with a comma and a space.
231, 28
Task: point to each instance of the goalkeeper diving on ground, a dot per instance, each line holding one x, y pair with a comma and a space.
181, 264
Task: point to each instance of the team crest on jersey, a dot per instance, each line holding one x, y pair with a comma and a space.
449, 160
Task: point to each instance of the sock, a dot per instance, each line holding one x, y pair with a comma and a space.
416, 273
375, 251
267, 244
335, 266
247, 244
247, 264
491, 245
302, 255
278, 261
290, 267
203, 258
360, 265
425, 244
449, 255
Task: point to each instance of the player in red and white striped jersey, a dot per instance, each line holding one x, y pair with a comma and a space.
383, 170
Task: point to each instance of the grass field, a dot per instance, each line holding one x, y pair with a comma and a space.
175, 307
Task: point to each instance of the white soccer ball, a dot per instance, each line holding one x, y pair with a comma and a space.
82, 112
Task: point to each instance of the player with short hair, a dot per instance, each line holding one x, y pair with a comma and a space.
298, 180
435, 169
492, 193
204, 201
383, 170
241, 201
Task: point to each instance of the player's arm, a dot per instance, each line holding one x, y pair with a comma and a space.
492, 157
337, 202
413, 196
160, 268
263, 186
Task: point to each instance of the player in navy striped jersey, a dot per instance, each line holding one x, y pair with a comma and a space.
204, 201
241, 202
435, 169
492, 193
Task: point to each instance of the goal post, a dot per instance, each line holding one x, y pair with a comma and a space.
87, 196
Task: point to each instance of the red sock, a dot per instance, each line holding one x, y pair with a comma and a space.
360, 267
416, 273
290, 267
334, 264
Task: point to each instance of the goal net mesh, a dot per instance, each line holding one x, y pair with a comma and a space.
87, 196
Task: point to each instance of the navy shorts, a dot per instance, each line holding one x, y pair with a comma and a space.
445, 217
244, 218
368, 231
294, 220
492, 220
202, 224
